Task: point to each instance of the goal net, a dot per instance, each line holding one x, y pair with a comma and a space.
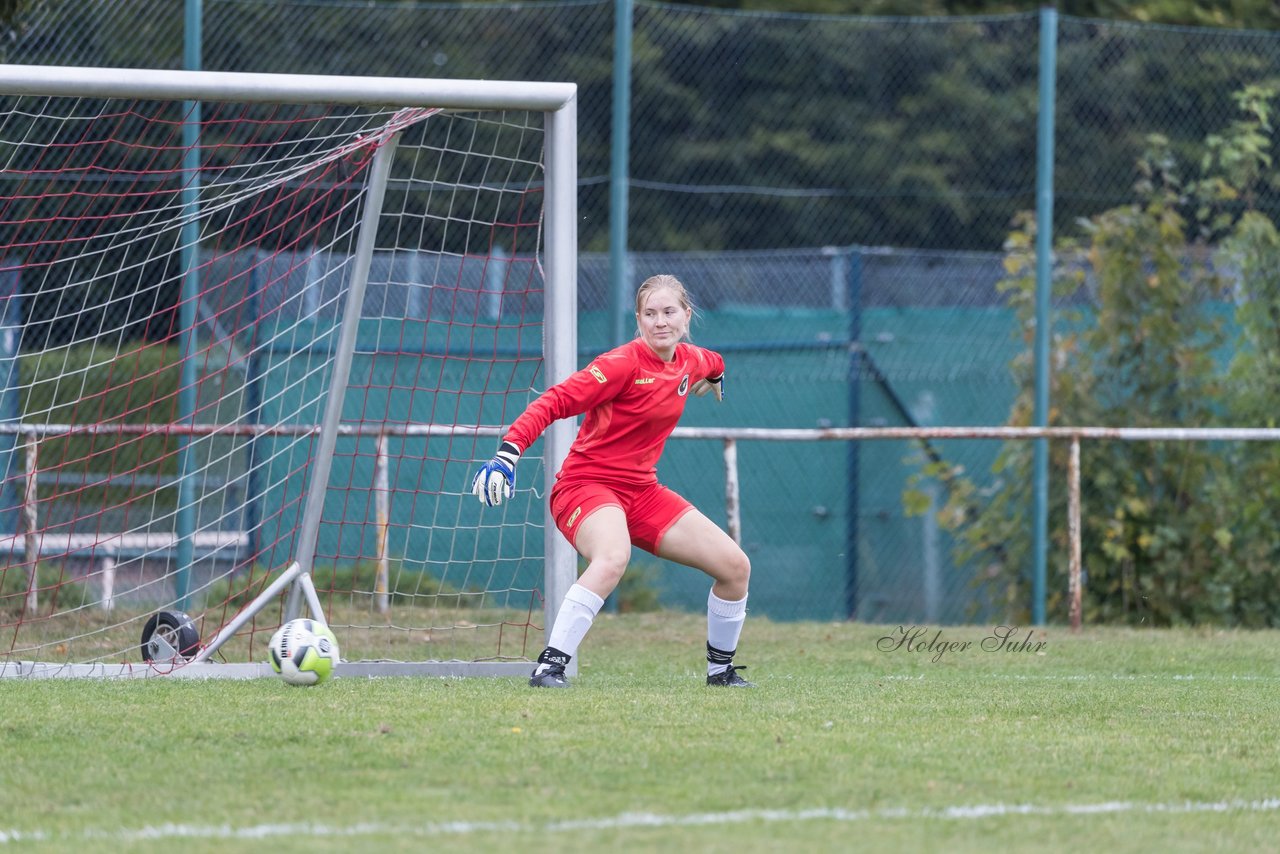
256, 333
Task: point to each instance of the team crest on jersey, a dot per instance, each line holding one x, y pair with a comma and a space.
684, 386
598, 374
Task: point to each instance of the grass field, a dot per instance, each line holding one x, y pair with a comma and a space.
1114, 739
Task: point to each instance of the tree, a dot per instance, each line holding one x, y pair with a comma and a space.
1175, 532
11, 12
1236, 14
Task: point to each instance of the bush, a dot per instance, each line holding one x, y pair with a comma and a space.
55, 592
1174, 532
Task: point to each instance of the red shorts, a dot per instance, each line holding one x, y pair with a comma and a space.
651, 510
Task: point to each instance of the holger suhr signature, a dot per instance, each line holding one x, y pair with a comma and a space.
930, 642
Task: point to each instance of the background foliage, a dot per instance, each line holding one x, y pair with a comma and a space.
762, 138
1174, 532
762, 130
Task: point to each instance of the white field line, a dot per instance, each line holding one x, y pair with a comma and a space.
646, 820
1083, 677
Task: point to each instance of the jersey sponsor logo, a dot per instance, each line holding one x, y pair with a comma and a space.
644, 381
598, 374
684, 386
573, 517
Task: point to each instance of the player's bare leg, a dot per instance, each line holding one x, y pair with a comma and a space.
696, 541
604, 541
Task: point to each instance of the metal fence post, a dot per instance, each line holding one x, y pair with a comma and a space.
619, 170
1044, 286
853, 287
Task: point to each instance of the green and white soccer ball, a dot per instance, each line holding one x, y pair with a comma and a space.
303, 652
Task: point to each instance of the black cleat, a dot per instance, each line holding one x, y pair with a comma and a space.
552, 677
550, 670
730, 678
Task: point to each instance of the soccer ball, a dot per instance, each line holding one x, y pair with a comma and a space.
303, 652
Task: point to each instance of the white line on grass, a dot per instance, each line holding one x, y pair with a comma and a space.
627, 820
1086, 677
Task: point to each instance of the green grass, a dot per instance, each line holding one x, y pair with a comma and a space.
1118, 740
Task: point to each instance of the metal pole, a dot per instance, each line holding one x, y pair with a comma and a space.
560, 335
1044, 282
253, 499
382, 505
931, 557
620, 154
1074, 587
165, 84
30, 526
322, 457
10, 394
853, 466
186, 514
732, 503
247, 613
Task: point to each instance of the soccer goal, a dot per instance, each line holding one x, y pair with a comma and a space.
256, 331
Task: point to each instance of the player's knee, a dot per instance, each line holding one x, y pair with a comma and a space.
611, 563
738, 569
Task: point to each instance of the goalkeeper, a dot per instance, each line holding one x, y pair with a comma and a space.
607, 497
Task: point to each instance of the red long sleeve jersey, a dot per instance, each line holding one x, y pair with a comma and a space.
632, 400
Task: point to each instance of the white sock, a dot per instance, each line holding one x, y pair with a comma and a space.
724, 626
579, 608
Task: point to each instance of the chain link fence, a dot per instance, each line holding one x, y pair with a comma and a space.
842, 195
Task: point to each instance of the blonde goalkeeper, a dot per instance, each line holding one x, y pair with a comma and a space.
607, 498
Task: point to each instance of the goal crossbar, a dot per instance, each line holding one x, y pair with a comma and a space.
295, 88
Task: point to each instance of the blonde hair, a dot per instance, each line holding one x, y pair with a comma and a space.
671, 283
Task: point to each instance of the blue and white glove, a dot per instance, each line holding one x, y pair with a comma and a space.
496, 479
710, 384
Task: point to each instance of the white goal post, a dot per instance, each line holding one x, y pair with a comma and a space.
257, 331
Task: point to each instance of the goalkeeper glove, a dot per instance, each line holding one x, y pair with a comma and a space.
710, 384
496, 479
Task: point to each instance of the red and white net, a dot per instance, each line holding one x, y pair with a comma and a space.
167, 348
